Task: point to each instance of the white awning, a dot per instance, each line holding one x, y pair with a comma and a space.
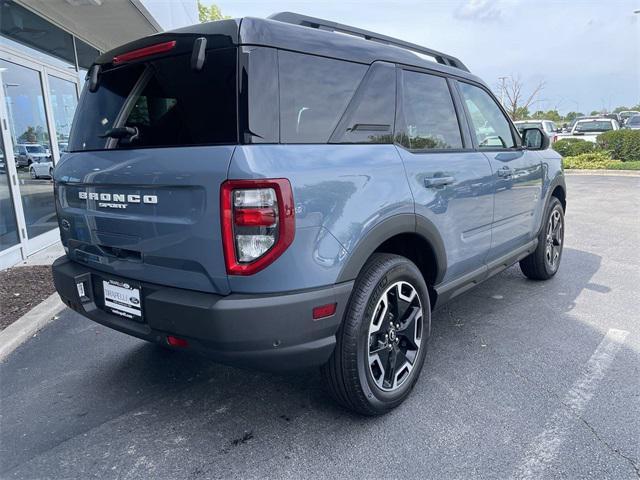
105, 24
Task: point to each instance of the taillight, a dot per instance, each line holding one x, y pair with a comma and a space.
258, 223
144, 52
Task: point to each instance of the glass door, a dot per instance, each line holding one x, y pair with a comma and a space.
63, 97
37, 107
25, 105
8, 225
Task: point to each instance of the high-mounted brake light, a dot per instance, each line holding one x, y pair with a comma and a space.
258, 223
144, 52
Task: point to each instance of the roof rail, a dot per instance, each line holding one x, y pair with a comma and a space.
306, 21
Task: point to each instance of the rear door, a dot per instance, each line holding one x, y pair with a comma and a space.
145, 205
517, 174
451, 183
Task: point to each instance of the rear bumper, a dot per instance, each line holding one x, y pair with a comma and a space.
269, 332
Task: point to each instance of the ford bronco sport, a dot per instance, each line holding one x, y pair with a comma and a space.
290, 192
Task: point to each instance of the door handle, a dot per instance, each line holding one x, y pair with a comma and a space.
434, 182
505, 172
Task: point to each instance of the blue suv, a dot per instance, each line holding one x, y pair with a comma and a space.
291, 192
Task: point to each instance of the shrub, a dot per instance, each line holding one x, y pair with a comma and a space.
622, 144
570, 147
595, 160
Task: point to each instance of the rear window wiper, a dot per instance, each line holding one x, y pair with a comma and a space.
129, 133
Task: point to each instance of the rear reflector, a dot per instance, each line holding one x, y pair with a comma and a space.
255, 217
177, 342
144, 52
324, 311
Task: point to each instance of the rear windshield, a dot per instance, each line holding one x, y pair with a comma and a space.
35, 149
169, 103
522, 126
634, 120
594, 126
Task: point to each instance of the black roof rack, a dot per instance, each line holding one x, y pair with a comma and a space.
312, 22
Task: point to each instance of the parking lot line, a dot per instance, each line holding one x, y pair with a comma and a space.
544, 448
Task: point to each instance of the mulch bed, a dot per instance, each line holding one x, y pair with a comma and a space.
21, 289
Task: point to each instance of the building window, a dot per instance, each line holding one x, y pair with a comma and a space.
23, 26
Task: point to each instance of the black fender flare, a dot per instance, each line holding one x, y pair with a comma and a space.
558, 181
388, 228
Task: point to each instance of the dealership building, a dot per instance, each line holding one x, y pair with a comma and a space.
46, 47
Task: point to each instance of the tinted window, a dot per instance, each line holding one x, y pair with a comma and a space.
427, 115
490, 126
176, 106
259, 115
371, 114
314, 93
97, 112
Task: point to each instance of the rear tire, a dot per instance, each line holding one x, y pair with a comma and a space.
544, 262
382, 342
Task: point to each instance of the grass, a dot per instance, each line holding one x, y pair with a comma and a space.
599, 160
624, 165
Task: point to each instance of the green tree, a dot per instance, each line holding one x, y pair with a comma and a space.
210, 13
595, 112
538, 115
553, 115
620, 109
571, 116
521, 113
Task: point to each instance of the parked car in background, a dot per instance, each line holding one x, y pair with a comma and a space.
589, 128
547, 126
41, 167
627, 114
27, 153
632, 123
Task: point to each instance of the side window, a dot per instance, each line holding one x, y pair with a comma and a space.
490, 126
370, 116
314, 93
427, 116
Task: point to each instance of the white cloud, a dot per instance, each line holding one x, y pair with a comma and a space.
482, 10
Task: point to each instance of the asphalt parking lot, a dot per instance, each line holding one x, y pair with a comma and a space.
523, 379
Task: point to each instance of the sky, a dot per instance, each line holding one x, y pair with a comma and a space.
586, 51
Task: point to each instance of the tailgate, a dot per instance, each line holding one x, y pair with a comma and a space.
151, 215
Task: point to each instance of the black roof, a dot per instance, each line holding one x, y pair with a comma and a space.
289, 36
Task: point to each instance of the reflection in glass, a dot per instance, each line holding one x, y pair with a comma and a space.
64, 100
8, 226
32, 150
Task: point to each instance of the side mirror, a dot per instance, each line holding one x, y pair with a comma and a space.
534, 139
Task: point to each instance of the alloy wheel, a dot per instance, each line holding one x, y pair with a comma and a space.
395, 336
554, 238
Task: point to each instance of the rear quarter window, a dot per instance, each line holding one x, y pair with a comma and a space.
314, 93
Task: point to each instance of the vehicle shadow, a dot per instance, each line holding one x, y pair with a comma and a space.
179, 409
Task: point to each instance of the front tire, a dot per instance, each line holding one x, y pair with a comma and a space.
32, 171
382, 342
544, 262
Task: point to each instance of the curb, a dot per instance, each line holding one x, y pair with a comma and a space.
28, 324
610, 173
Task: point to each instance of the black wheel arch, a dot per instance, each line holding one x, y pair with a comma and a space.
410, 235
558, 189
